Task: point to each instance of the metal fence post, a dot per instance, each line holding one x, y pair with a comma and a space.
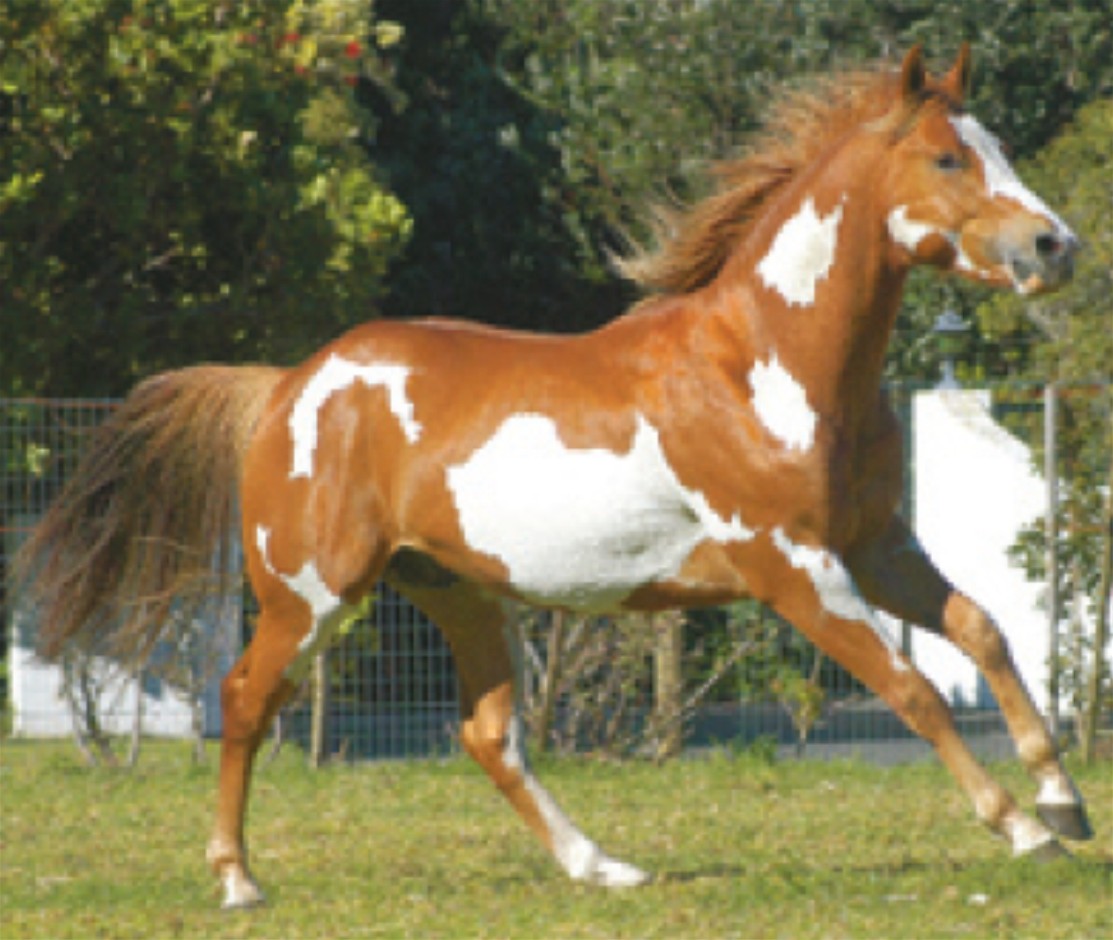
1051, 531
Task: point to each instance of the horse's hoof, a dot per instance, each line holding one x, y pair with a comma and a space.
1066, 819
240, 892
1050, 851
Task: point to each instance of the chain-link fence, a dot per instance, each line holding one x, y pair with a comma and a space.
734, 676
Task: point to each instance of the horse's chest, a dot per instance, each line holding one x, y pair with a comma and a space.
581, 528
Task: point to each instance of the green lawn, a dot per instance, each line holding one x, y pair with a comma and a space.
742, 849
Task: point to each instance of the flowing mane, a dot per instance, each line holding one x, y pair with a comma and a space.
693, 242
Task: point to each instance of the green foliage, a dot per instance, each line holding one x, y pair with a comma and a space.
1068, 337
183, 180
647, 92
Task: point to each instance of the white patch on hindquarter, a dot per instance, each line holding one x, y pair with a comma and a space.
327, 609
1000, 178
581, 528
334, 376
836, 589
802, 254
782, 405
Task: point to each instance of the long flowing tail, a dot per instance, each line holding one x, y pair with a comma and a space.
148, 517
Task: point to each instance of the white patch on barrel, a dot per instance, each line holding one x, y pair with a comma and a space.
781, 404
1000, 178
581, 528
334, 376
836, 589
802, 254
326, 608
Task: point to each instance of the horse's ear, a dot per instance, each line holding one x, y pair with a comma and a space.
913, 76
957, 80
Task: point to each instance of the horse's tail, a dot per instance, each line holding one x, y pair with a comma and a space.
149, 515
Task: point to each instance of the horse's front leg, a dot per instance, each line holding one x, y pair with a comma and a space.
814, 590
895, 574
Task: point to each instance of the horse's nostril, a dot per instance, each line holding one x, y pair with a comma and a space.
1048, 245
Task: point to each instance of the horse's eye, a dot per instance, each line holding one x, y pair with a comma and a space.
948, 161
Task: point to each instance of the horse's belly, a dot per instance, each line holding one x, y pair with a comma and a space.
580, 528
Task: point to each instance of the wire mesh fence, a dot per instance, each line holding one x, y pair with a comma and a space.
741, 676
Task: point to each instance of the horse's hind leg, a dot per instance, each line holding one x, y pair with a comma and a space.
895, 574
299, 615
251, 695
492, 732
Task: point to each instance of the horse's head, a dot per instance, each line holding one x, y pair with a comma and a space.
952, 199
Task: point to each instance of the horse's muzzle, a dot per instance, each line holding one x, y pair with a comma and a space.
1044, 262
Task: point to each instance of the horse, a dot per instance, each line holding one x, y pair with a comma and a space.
727, 437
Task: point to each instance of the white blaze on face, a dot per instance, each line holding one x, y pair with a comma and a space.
836, 589
334, 376
581, 528
782, 405
326, 609
801, 254
1000, 178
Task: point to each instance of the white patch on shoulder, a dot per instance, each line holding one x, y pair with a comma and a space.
782, 405
334, 376
581, 528
327, 609
1000, 177
906, 232
836, 589
802, 254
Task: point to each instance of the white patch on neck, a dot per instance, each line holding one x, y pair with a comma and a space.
328, 610
1000, 177
782, 405
334, 376
836, 589
802, 254
581, 528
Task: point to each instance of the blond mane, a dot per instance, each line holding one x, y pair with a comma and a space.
692, 243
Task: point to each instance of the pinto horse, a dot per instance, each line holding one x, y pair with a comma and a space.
726, 438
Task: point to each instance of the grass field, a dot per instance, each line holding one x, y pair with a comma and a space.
742, 848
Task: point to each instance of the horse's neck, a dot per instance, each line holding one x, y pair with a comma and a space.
828, 325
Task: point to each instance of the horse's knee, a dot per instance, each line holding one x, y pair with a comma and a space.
973, 631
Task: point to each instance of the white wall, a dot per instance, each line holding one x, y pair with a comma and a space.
974, 488
35, 687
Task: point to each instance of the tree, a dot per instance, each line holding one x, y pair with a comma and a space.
1067, 338
183, 180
